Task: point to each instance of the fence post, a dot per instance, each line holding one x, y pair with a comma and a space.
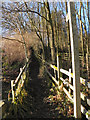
70, 79
75, 59
55, 73
13, 96
21, 77
27, 74
58, 67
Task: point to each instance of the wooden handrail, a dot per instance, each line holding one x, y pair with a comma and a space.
16, 82
57, 82
21, 72
82, 81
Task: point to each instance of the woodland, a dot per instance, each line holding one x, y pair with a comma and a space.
33, 29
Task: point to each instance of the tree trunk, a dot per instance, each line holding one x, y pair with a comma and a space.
68, 34
48, 39
51, 41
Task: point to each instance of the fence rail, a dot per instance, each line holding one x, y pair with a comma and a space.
67, 83
68, 87
16, 85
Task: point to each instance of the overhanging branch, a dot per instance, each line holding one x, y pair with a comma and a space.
28, 10
13, 39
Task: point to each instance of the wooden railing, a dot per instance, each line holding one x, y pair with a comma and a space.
68, 87
16, 85
84, 98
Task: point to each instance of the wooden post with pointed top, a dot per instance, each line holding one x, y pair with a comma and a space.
75, 59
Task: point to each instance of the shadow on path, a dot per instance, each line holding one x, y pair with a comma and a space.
34, 65
38, 92
37, 102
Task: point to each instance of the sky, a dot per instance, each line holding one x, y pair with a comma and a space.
87, 25
48, 0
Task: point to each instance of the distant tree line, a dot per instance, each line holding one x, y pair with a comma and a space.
48, 21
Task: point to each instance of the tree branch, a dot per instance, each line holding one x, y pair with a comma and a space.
13, 39
28, 10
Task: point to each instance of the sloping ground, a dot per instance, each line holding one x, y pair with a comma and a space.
40, 101
40, 98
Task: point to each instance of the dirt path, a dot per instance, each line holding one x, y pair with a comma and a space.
40, 104
40, 99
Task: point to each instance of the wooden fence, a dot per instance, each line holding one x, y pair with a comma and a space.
16, 85
68, 86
